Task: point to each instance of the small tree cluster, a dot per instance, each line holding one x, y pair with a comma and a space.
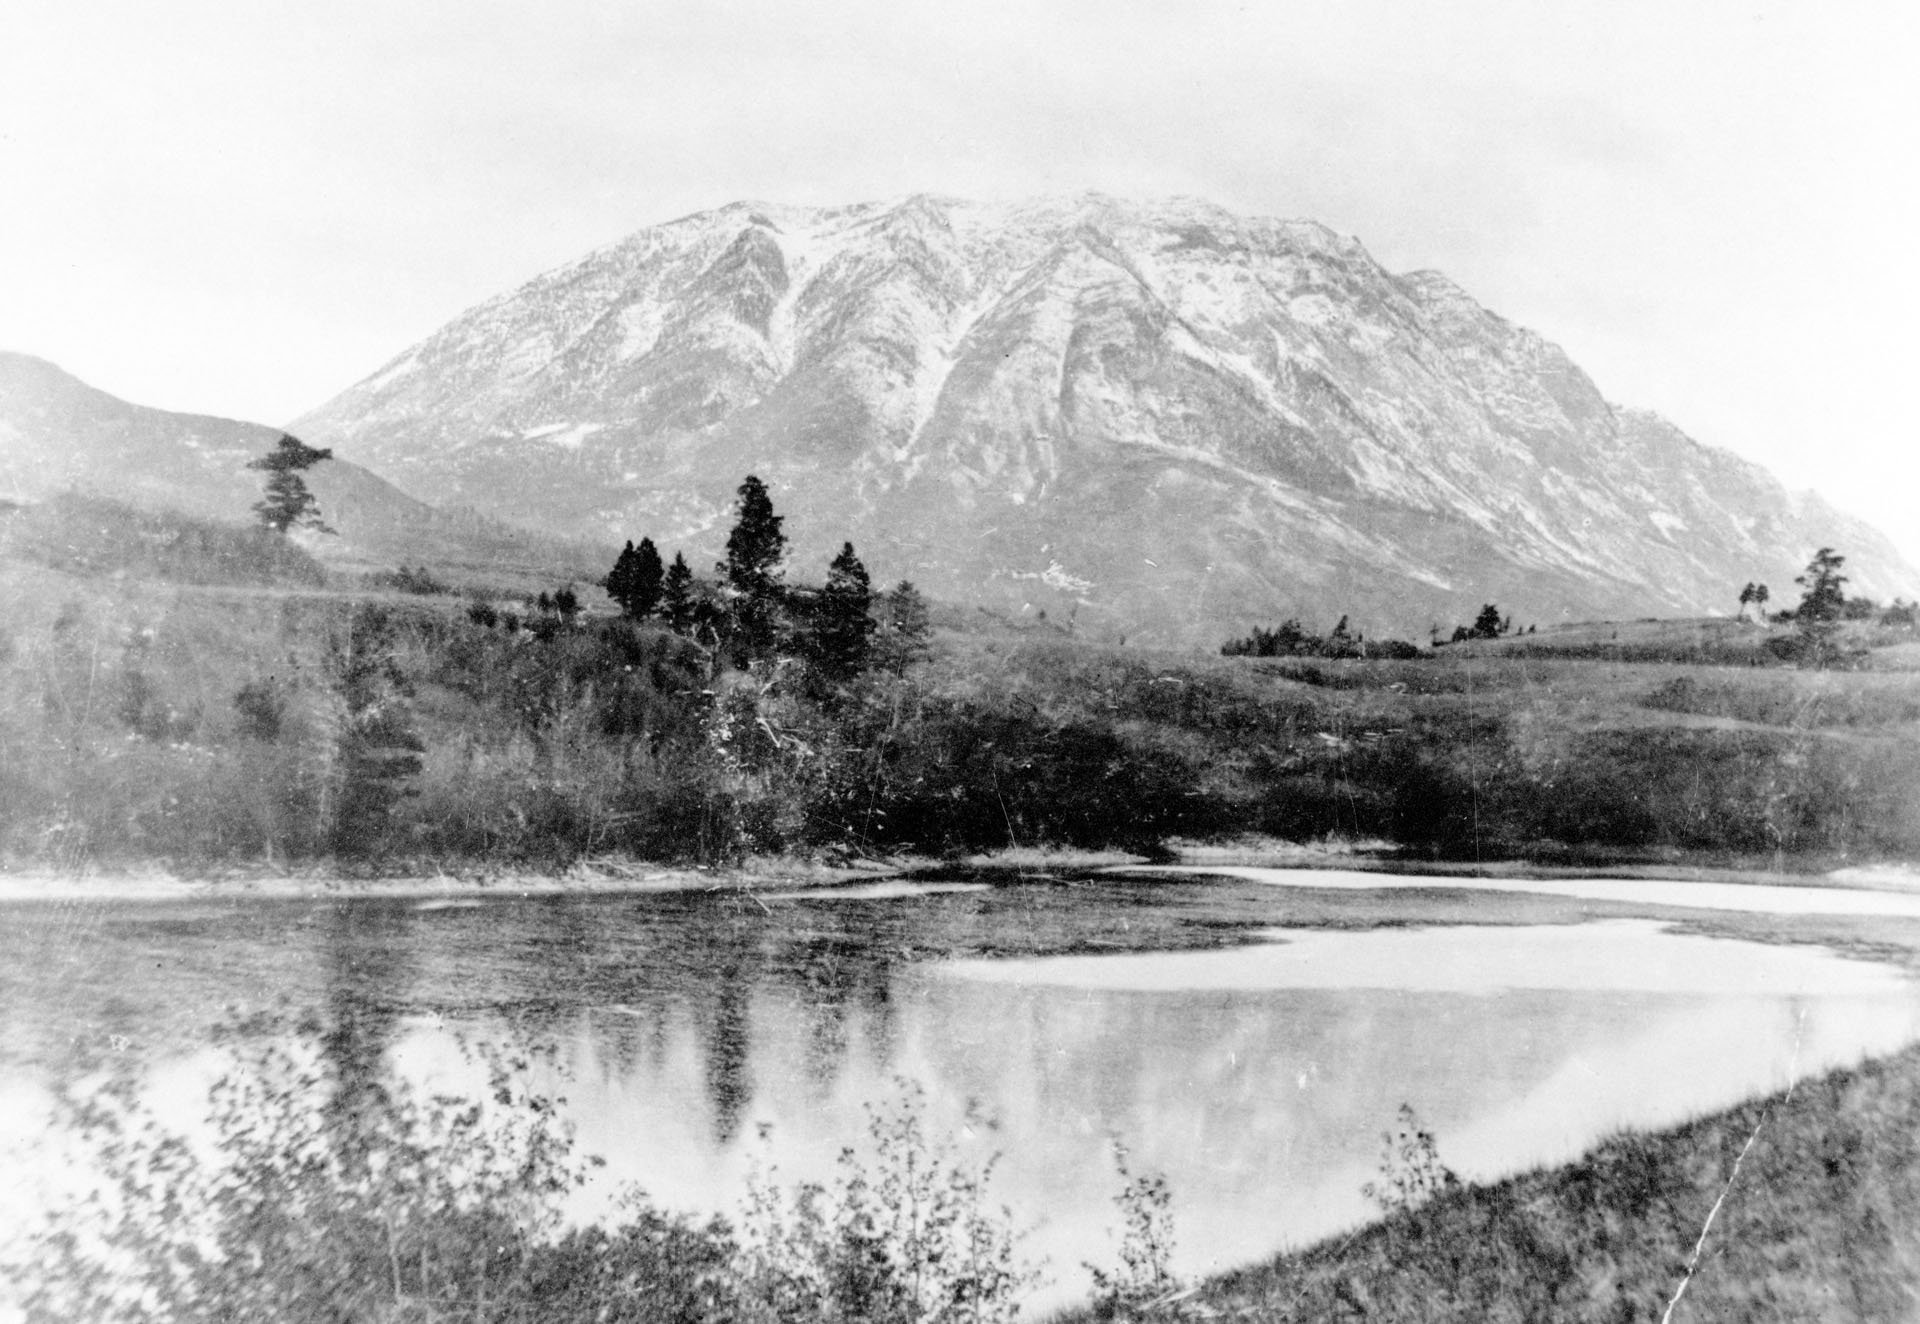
1489, 624
1290, 639
1755, 596
749, 613
637, 581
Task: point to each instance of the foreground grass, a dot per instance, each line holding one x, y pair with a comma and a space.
1802, 1206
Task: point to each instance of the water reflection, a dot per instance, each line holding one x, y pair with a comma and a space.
1257, 1078
367, 971
1261, 1101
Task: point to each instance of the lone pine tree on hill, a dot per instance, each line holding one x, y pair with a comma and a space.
1822, 606
288, 504
1825, 598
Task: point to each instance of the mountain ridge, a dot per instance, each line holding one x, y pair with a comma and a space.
57, 433
1002, 399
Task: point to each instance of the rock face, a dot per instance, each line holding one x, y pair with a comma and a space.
1157, 419
59, 434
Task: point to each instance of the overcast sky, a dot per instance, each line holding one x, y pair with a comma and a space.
242, 208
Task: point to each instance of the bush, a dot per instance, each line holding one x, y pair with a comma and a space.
1143, 1284
328, 1189
409, 579
906, 1239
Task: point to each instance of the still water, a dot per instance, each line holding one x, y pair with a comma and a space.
1250, 1049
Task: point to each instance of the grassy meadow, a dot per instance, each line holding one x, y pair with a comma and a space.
211, 699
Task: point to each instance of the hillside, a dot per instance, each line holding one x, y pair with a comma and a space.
57, 434
1159, 420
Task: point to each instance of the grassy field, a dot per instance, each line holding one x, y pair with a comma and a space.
1796, 1207
179, 695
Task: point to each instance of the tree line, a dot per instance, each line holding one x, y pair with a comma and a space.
749, 614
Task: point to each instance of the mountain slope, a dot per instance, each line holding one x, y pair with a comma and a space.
1162, 418
59, 434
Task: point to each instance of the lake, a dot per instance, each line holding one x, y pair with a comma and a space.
1249, 1041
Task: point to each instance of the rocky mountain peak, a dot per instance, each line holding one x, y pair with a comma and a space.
1194, 420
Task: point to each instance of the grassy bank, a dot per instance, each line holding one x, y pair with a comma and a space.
158, 706
1818, 1221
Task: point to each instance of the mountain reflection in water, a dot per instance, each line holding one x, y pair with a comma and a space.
702, 1035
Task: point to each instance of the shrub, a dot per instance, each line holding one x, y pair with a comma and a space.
328, 1189
906, 1238
1411, 1172
409, 579
1144, 1282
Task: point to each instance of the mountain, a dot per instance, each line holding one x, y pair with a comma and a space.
1158, 419
59, 434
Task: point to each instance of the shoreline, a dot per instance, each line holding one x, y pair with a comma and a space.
607, 877
1800, 1198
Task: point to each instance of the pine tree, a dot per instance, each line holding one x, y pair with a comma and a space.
1825, 597
1821, 608
649, 581
752, 571
676, 595
756, 545
619, 582
904, 629
635, 582
843, 629
1487, 624
287, 504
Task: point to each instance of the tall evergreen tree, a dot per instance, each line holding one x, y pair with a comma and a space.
752, 571
649, 581
620, 579
676, 595
904, 629
756, 546
287, 504
843, 627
